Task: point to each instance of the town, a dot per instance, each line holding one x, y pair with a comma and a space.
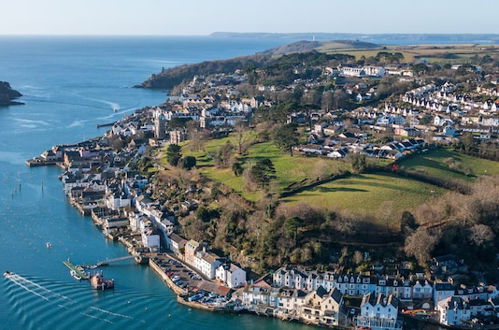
374, 112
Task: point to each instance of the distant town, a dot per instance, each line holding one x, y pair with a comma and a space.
240, 190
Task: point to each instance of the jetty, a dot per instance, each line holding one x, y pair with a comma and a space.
105, 124
77, 270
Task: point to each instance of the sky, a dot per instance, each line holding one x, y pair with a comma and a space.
201, 17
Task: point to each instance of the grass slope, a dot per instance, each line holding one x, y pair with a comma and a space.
434, 163
367, 193
289, 169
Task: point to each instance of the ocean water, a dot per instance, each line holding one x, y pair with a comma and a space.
69, 86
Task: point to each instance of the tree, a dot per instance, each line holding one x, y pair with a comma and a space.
188, 162
420, 245
285, 137
358, 257
224, 155
408, 223
481, 235
237, 169
359, 162
292, 225
262, 173
173, 154
240, 129
177, 122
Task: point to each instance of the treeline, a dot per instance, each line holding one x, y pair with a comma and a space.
464, 225
171, 77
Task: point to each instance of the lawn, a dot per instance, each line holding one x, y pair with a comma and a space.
434, 163
289, 169
368, 193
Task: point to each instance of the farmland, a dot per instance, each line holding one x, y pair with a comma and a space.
434, 53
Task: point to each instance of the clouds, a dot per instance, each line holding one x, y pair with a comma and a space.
172, 17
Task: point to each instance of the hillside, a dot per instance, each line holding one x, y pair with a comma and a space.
8, 95
171, 77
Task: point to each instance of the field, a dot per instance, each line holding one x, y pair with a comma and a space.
376, 194
436, 163
289, 169
368, 193
433, 53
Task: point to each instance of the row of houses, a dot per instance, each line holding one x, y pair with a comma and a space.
320, 306
197, 255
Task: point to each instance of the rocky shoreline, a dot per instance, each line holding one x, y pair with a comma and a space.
8, 95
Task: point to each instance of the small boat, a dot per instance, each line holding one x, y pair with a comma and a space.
7, 274
48, 245
75, 275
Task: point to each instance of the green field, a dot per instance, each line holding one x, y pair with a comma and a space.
289, 169
435, 163
434, 53
366, 193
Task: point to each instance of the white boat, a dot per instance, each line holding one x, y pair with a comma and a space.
48, 245
7, 274
75, 275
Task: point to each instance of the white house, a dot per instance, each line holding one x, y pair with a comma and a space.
230, 274
422, 289
442, 290
379, 312
207, 263
453, 311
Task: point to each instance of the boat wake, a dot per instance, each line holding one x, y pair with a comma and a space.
62, 300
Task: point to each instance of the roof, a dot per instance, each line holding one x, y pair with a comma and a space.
381, 299
444, 286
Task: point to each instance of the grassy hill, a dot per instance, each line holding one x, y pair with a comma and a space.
448, 164
289, 169
369, 194
372, 194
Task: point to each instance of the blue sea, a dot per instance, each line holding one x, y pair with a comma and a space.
70, 85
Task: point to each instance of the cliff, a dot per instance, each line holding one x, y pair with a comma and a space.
8, 95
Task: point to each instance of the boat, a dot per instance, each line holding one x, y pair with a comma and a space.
7, 274
48, 245
77, 272
98, 282
75, 275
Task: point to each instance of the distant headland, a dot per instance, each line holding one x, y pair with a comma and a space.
380, 38
8, 95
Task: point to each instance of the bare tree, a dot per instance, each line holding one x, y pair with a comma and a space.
420, 245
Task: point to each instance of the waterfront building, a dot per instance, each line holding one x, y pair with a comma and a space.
323, 307
379, 312
231, 275
207, 263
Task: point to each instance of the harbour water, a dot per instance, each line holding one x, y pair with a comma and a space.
69, 86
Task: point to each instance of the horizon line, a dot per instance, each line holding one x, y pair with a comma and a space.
232, 32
